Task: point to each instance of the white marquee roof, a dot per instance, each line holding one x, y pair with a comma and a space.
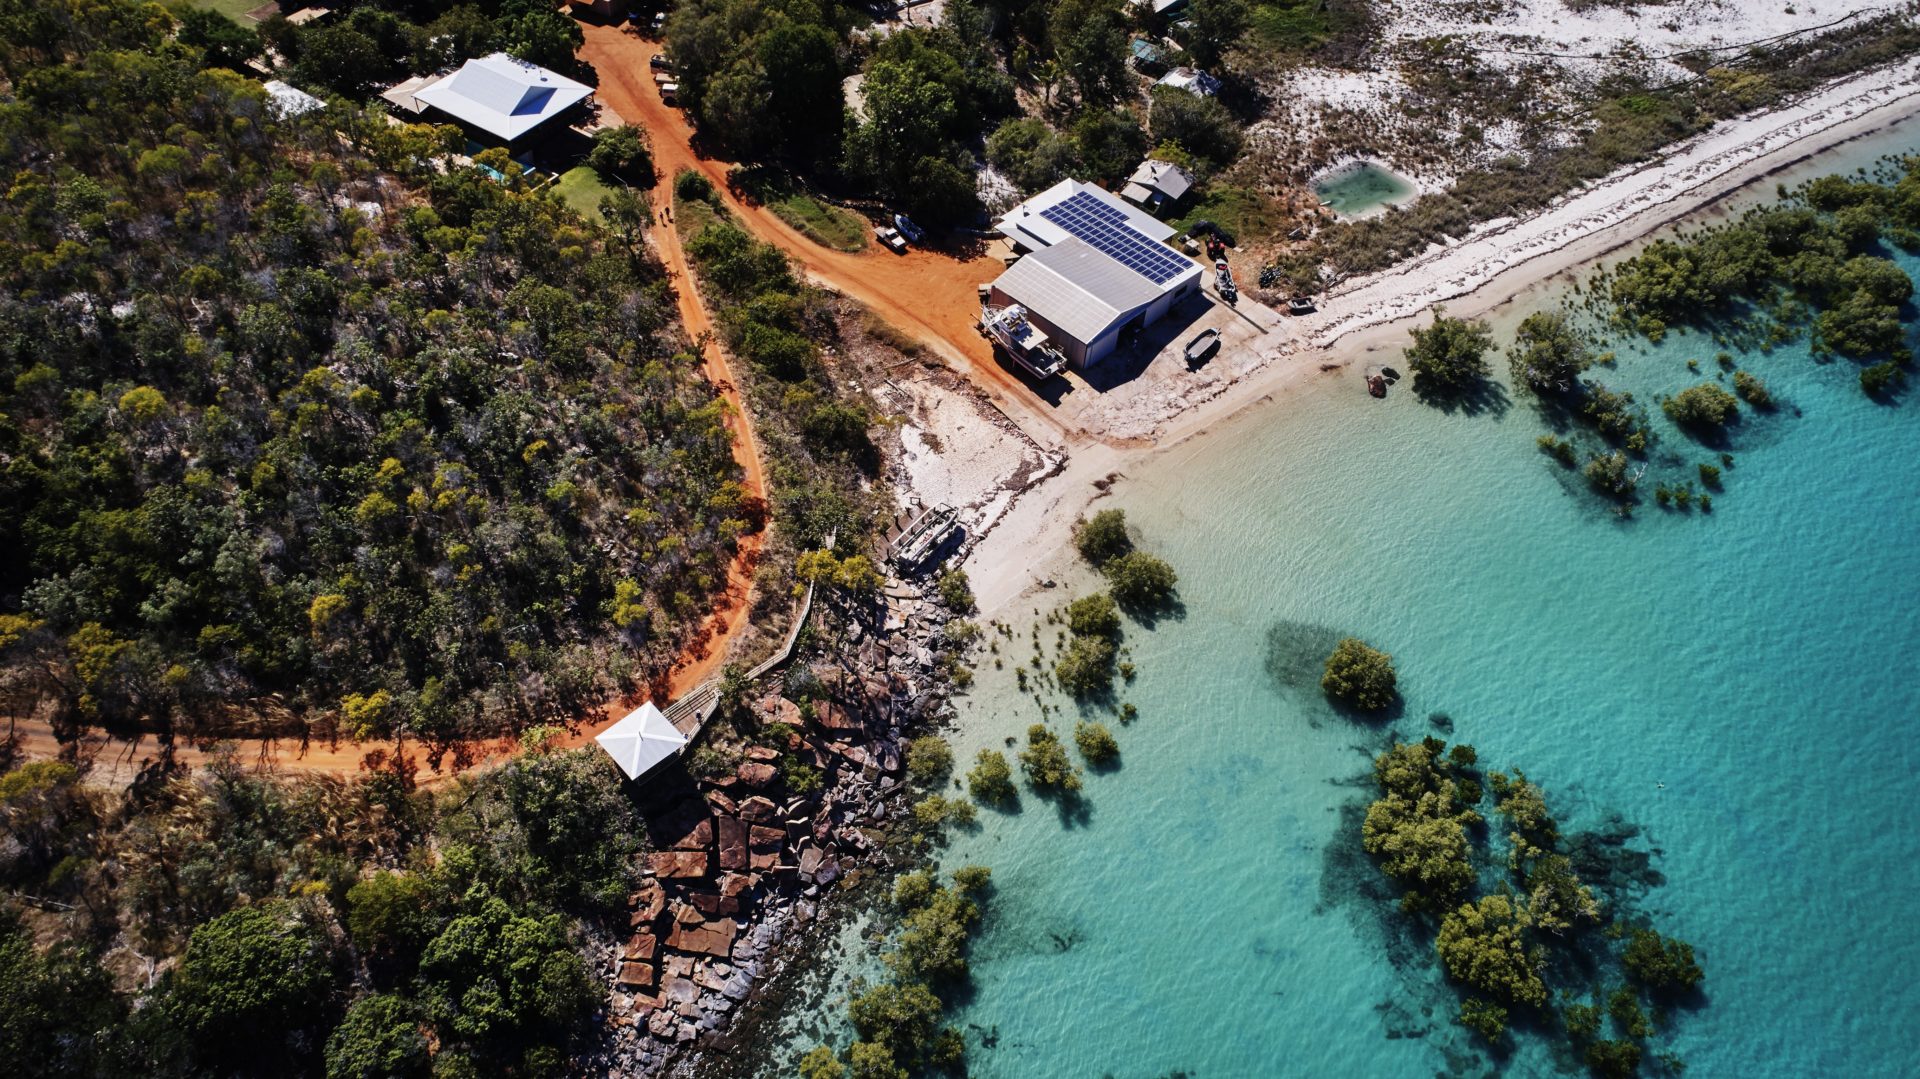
641, 740
502, 96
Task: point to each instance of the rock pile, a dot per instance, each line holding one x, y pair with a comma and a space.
741, 860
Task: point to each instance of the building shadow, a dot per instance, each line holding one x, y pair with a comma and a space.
1139, 347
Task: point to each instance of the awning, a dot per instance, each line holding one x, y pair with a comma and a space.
641, 741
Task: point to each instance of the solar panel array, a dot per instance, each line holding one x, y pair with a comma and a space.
1105, 229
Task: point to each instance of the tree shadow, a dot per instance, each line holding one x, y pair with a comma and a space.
1149, 614
1481, 397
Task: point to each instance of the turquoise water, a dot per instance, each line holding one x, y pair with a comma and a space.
1357, 189
1737, 687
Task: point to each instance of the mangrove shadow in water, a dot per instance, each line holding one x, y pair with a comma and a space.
1481, 397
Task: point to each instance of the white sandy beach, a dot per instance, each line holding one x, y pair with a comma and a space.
1498, 260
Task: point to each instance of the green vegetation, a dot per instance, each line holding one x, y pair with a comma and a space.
955, 591
813, 217
929, 760
812, 430
898, 1023
256, 886
1449, 357
441, 470
1548, 354
1142, 583
1359, 677
1045, 763
622, 155
1752, 389
1103, 537
583, 189
1702, 406
1096, 743
1094, 616
990, 780
1536, 937
1085, 667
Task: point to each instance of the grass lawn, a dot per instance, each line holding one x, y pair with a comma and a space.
1245, 214
582, 188
232, 9
823, 223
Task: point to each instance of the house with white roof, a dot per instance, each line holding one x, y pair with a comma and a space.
1095, 267
497, 99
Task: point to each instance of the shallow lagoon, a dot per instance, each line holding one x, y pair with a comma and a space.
1362, 188
1734, 688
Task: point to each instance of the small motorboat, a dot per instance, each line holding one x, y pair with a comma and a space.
1377, 385
1203, 345
1299, 305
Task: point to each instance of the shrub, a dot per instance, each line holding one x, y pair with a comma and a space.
1103, 537
1483, 945
1358, 676
1660, 963
1486, 1019
956, 591
1705, 405
1094, 616
1449, 355
691, 186
991, 778
929, 759
1882, 379
1752, 389
1045, 762
1097, 746
1085, 669
1141, 582
622, 154
1548, 354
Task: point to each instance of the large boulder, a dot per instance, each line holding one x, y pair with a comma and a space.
711, 938
733, 843
754, 774
678, 863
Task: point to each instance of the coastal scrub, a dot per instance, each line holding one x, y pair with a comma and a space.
1359, 677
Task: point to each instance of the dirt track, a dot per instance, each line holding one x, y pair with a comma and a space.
929, 295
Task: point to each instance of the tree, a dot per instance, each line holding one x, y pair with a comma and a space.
807, 110
1200, 125
1662, 964
955, 591
497, 981
991, 779
1091, 42
1213, 27
1093, 616
1358, 676
1548, 354
1045, 762
55, 1007
622, 154
902, 1022
1705, 405
1110, 143
249, 977
1450, 355
1142, 583
390, 914
929, 759
225, 42
1085, 666
341, 59
1103, 537
1096, 742
1031, 154
1484, 945
380, 1038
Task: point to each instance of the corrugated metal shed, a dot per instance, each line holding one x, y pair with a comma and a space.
1076, 288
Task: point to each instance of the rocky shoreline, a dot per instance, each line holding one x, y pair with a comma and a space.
743, 863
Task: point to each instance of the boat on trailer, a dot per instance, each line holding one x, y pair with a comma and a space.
924, 536
1013, 331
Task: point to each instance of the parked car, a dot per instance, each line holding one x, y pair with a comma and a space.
1202, 346
660, 62
890, 239
659, 22
670, 92
914, 233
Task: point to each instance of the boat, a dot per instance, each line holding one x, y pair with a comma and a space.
1013, 331
1202, 346
1300, 305
914, 233
1377, 385
919, 540
1223, 281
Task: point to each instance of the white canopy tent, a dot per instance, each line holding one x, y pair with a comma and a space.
641, 740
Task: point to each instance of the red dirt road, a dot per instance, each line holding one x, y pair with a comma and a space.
928, 295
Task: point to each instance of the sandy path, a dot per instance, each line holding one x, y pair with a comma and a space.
928, 295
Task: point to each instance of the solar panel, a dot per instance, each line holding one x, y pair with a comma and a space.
1105, 229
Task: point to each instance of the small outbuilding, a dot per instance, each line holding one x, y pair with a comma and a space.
1192, 80
641, 741
1156, 185
285, 100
